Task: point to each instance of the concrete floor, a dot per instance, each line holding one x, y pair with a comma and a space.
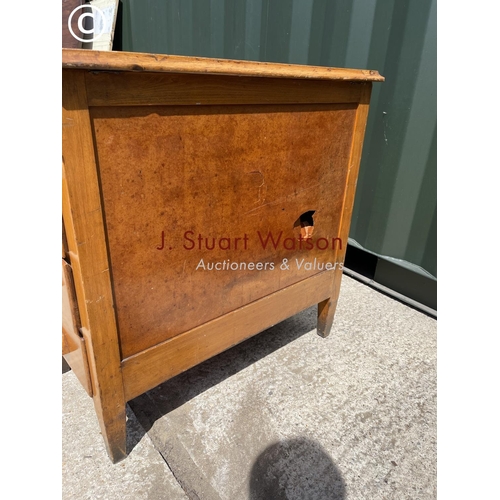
87, 471
284, 415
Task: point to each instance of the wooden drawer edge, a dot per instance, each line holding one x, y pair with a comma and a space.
73, 344
151, 367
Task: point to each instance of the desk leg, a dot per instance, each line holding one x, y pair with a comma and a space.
113, 424
327, 308
326, 312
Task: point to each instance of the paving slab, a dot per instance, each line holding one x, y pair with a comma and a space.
290, 415
87, 472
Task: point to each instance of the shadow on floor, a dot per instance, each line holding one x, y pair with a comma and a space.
65, 366
166, 397
295, 469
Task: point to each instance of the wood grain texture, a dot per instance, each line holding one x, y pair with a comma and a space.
160, 147
194, 157
70, 313
88, 254
326, 309
135, 61
153, 366
73, 346
111, 89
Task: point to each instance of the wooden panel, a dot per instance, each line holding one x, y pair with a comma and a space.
73, 345
152, 367
353, 164
111, 89
87, 247
134, 61
326, 309
237, 174
70, 316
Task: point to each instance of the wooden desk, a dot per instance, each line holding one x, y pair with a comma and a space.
204, 201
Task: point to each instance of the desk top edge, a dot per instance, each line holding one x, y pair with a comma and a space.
95, 60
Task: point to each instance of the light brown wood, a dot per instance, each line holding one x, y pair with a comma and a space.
159, 147
74, 349
70, 316
88, 254
180, 353
326, 309
109, 89
135, 61
257, 192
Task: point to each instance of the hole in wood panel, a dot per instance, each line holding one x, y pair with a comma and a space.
306, 224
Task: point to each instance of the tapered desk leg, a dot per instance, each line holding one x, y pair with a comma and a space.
327, 308
326, 312
87, 246
113, 424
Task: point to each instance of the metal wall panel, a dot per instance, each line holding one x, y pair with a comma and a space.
395, 209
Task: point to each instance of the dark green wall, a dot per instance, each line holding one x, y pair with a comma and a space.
395, 209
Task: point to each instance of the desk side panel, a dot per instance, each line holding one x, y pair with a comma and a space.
197, 198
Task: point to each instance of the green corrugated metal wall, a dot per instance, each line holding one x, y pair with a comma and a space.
395, 209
